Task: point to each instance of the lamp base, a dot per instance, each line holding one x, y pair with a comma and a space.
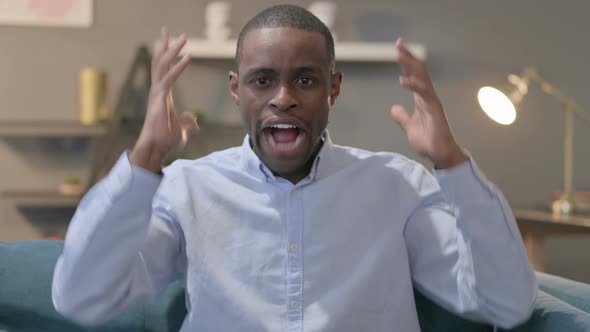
563, 207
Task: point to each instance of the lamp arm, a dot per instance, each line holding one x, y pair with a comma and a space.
566, 204
568, 102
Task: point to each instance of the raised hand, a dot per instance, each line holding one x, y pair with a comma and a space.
163, 130
427, 128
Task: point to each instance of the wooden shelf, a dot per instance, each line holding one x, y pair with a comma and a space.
546, 218
374, 52
49, 128
345, 51
40, 198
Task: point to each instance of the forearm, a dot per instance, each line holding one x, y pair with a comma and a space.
101, 259
494, 265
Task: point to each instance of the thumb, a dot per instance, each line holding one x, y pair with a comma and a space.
400, 115
188, 122
188, 125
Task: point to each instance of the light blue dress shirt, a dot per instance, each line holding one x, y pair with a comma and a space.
339, 251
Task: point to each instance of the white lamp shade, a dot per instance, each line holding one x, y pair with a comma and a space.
496, 105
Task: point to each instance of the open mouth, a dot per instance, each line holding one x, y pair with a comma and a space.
284, 140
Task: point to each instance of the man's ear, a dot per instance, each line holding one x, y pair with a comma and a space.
233, 87
335, 87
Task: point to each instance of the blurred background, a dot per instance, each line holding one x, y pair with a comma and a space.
468, 44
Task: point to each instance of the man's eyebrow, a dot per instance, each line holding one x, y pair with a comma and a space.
307, 69
261, 71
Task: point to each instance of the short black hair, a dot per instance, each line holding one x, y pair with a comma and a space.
288, 16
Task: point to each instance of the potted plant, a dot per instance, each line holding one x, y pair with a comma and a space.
72, 186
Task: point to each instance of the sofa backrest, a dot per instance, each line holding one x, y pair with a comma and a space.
573, 292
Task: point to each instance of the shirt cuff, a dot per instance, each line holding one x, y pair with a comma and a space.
124, 176
464, 183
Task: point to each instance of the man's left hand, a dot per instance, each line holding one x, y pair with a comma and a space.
427, 129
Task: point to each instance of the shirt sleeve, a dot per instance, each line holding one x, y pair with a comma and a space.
465, 249
122, 247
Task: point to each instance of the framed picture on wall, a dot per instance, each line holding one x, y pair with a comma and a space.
56, 13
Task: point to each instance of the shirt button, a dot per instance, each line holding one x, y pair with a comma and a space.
293, 248
294, 304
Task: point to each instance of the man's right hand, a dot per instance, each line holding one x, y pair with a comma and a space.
163, 130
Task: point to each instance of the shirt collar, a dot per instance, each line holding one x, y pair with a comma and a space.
254, 166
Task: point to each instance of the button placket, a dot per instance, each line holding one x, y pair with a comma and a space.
294, 262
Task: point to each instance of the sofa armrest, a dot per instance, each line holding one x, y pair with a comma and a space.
572, 292
553, 315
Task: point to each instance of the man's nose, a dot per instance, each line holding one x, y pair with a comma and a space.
284, 99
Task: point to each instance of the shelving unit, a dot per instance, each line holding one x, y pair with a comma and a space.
46, 198
345, 51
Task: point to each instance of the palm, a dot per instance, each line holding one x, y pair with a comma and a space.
423, 130
163, 130
163, 122
427, 129
162, 125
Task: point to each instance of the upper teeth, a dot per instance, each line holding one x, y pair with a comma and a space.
283, 126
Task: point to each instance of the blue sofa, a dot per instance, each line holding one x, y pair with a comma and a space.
25, 301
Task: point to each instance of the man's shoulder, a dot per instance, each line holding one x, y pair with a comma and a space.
383, 159
386, 167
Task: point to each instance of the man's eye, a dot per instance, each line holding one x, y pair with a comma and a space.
304, 81
261, 81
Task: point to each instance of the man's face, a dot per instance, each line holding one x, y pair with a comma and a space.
285, 89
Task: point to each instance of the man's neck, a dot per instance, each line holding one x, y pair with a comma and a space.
306, 169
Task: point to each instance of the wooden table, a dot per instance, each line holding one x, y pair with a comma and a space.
536, 225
